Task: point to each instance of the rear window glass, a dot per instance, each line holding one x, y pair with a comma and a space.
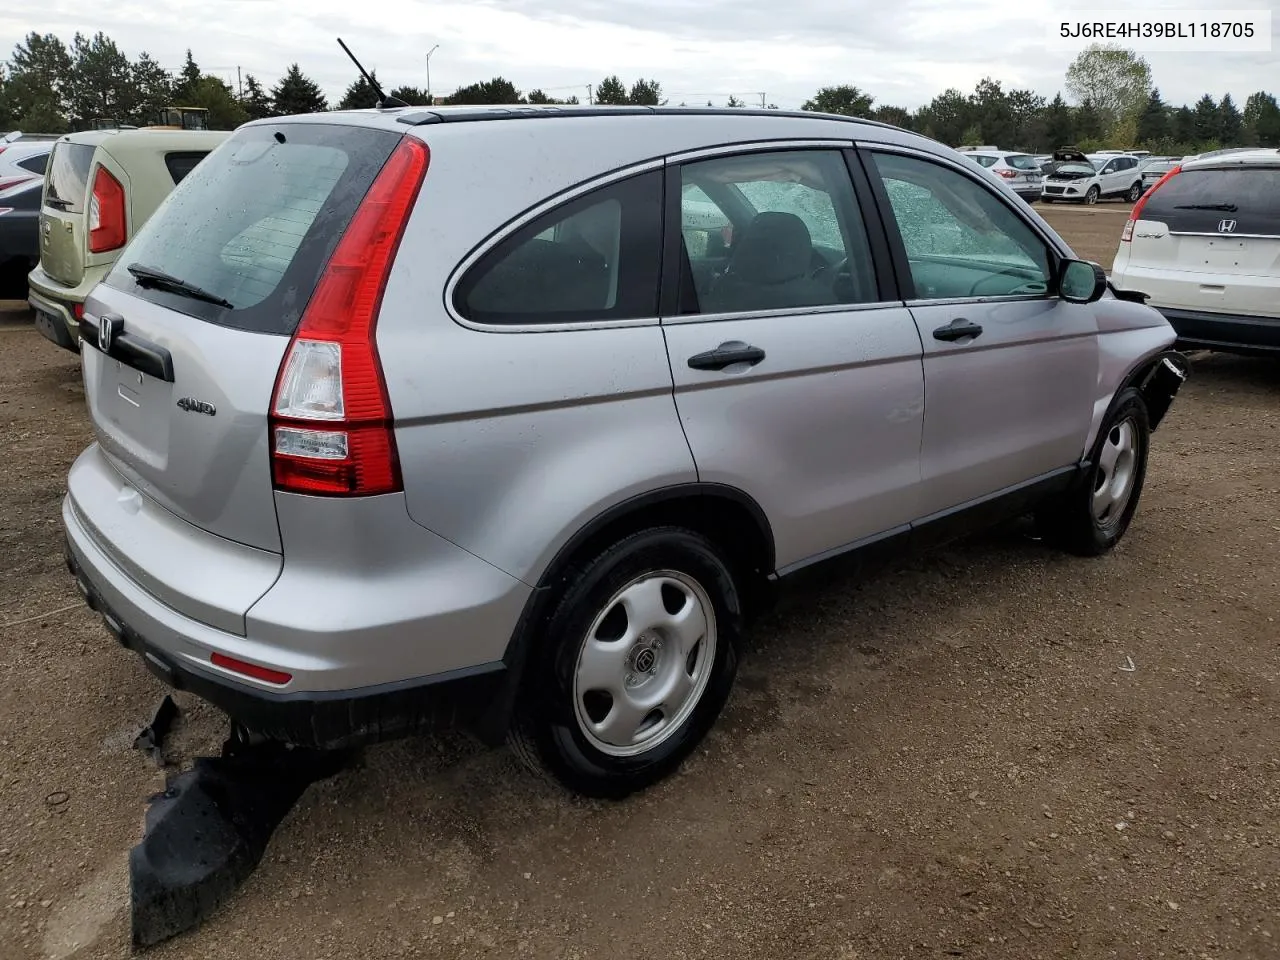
255, 222
35, 164
1022, 162
68, 176
180, 164
1198, 201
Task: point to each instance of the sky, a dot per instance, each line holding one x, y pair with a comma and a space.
902, 52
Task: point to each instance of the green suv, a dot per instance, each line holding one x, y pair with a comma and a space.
100, 186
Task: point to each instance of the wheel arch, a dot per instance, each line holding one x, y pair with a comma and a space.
726, 515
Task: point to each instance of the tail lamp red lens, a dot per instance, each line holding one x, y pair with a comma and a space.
332, 432
107, 216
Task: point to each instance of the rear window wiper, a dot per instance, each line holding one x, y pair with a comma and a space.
58, 202
1224, 207
151, 277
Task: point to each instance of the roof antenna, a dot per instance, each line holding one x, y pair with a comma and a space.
384, 102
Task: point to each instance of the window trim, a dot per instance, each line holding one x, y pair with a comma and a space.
881, 259
865, 149
517, 223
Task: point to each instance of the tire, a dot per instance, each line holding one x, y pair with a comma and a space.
1092, 517
1135, 192
1091, 195
607, 744
1046, 200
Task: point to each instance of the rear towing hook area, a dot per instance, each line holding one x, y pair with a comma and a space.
207, 831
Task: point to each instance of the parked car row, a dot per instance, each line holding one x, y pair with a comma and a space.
1070, 175
99, 187
388, 437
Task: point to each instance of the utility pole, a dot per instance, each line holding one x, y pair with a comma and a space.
762, 106
239, 85
429, 53
591, 96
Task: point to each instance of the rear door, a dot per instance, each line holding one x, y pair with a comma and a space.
1010, 369
797, 375
63, 212
179, 393
1209, 239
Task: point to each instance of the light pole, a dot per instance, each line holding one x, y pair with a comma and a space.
429, 53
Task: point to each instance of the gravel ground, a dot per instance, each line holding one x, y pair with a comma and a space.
990, 751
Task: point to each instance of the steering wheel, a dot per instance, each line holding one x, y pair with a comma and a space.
835, 269
1031, 286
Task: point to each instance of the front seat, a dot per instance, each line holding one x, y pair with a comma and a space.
770, 268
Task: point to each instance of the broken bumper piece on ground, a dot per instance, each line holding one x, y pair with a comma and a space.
207, 832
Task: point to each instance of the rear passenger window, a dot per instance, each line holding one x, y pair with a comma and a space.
772, 231
180, 164
35, 164
594, 259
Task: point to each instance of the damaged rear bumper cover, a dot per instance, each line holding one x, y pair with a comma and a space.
324, 720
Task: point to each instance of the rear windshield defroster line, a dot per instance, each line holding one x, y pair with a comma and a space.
254, 223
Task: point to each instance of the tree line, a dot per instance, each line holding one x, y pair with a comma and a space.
52, 88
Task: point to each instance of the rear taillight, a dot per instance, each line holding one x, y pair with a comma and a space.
106, 213
1126, 235
331, 425
1008, 174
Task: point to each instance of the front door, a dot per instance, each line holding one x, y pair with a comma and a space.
1010, 369
797, 380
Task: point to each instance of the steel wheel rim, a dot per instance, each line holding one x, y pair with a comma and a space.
644, 664
1116, 473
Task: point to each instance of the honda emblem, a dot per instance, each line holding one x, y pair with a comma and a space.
1226, 226
106, 333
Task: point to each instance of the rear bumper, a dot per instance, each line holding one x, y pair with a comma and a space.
55, 305
330, 719
380, 628
1230, 333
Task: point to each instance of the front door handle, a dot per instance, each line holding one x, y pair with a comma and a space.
958, 329
726, 355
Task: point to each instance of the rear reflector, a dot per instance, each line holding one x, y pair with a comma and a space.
106, 213
265, 674
331, 426
1126, 236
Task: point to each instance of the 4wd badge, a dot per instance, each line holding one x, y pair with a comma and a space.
198, 406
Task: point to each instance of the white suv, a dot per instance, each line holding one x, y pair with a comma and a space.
1020, 170
1204, 245
1091, 178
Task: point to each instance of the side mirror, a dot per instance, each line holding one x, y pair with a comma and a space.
1080, 281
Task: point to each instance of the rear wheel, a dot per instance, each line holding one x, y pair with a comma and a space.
1134, 193
1091, 195
633, 666
1094, 515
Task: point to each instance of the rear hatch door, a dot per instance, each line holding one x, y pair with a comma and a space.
179, 372
64, 211
1214, 233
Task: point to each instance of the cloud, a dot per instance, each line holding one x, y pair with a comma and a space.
903, 52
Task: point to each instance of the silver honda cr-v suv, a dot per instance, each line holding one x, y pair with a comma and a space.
509, 417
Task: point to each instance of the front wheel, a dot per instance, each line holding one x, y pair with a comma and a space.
1091, 195
1091, 518
634, 665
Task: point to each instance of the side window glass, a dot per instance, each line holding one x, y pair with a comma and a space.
594, 259
35, 164
961, 240
771, 231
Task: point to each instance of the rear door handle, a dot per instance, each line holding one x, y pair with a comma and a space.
726, 355
958, 329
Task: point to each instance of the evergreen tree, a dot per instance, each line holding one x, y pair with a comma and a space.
611, 91
297, 93
256, 101
185, 83
1208, 120
154, 89
497, 90
1059, 124
100, 83
1183, 126
1153, 122
414, 96
645, 93
39, 71
1230, 123
360, 95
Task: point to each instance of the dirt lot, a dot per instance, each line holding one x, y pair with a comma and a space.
949, 757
